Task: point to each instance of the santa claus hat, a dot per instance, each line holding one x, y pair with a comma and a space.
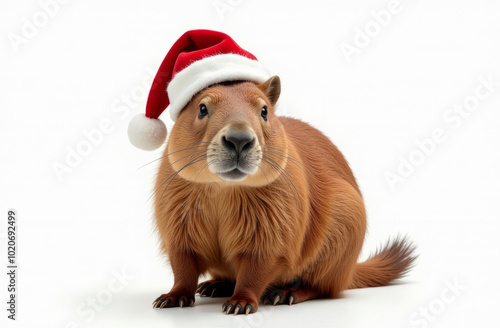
199, 58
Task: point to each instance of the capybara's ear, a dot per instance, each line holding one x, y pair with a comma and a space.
272, 88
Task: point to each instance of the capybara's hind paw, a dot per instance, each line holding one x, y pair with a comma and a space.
290, 295
173, 300
279, 296
239, 305
216, 288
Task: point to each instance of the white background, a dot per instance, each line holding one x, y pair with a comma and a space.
78, 230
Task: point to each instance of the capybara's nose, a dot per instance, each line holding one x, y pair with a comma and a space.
238, 141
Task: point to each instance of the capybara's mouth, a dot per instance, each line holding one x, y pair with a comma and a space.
233, 175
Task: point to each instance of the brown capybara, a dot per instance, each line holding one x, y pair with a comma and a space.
266, 205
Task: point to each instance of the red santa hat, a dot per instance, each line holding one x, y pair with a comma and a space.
199, 58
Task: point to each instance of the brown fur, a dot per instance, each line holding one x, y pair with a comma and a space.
294, 229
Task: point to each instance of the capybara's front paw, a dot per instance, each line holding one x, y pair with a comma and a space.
240, 305
216, 288
174, 299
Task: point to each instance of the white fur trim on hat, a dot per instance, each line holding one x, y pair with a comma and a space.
146, 133
208, 71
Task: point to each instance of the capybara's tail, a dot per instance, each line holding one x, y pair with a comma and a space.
391, 262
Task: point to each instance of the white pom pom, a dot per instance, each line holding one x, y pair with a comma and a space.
146, 133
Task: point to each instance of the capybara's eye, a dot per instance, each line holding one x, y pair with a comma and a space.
263, 113
203, 111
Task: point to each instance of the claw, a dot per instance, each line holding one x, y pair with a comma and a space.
154, 304
164, 303
229, 307
191, 303
224, 307
237, 309
213, 291
247, 310
202, 293
290, 301
181, 303
276, 300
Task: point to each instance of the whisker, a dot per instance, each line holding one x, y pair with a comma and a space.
192, 162
279, 173
201, 169
285, 173
288, 179
281, 153
195, 160
198, 144
282, 156
259, 167
190, 154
